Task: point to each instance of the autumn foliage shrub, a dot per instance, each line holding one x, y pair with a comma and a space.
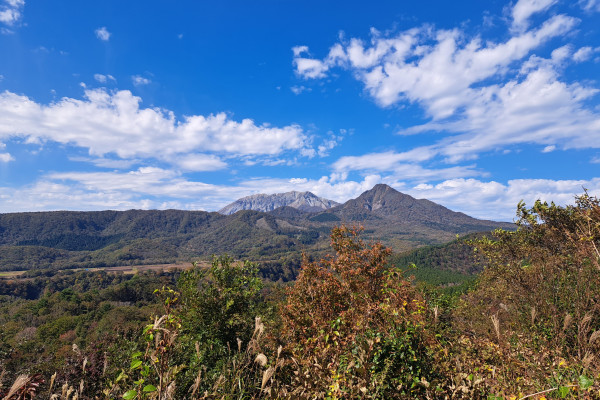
537, 303
353, 327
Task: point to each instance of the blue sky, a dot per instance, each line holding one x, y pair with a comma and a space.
191, 105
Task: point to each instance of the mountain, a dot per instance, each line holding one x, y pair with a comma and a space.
277, 238
387, 203
403, 222
303, 201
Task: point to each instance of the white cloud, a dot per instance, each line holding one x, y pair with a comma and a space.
103, 34
297, 50
6, 157
11, 12
535, 109
590, 5
157, 188
114, 123
384, 161
584, 54
139, 80
401, 166
106, 162
497, 201
104, 78
525, 9
299, 89
549, 149
200, 162
433, 68
155, 182
308, 68
327, 145
160, 189
482, 95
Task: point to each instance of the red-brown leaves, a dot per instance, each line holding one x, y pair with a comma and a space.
342, 302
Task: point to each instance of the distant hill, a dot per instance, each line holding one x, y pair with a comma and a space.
303, 201
277, 238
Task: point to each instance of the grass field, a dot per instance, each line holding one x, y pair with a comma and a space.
10, 274
125, 269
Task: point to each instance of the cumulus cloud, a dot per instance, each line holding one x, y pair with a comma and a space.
157, 188
584, 53
6, 157
112, 122
11, 12
161, 189
497, 201
103, 34
309, 68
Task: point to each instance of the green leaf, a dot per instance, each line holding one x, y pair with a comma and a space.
563, 391
136, 354
130, 394
585, 382
149, 388
121, 376
135, 364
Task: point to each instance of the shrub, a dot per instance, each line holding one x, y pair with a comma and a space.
353, 327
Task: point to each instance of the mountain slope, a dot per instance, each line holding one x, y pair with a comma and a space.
403, 222
386, 203
70, 239
303, 201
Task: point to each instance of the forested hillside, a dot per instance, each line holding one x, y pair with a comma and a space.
68, 239
351, 326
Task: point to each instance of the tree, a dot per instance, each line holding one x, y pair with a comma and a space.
218, 308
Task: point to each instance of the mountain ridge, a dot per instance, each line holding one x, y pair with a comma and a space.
303, 201
277, 238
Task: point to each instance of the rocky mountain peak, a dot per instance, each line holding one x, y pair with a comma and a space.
303, 201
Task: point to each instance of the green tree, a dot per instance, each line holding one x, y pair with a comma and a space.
218, 308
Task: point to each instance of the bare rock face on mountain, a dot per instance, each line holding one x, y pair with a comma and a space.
303, 201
